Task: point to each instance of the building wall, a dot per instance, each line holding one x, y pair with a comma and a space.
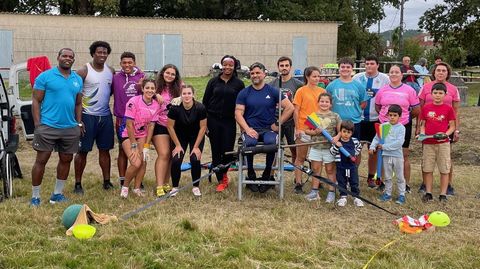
204, 42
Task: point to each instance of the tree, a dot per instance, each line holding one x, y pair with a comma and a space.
455, 24
8, 5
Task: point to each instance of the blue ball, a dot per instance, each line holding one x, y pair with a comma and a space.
70, 215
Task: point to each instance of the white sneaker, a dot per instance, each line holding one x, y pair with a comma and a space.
330, 197
342, 201
124, 192
138, 192
196, 192
358, 202
312, 196
173, 192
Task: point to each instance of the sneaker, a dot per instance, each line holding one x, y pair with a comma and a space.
371, 183
342, 201
407, 189
427, 197
330, 197
385, 197
298, 188
78, 189
35, 202
312, 196
174, 192
263, 188
167, 188
422, 188
381, 187
57, 198
400, 200
252, 187
124, 192
107, 185
442, 198
196, 192
358, 202
223, 184
160, 191
138, 192
450, 190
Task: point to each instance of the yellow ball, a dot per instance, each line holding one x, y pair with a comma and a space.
438, 219
83, 231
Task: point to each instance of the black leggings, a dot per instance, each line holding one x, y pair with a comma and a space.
221, 133
177, 161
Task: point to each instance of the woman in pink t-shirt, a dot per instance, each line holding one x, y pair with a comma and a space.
141, 113
169, 84
441, 74
405, 96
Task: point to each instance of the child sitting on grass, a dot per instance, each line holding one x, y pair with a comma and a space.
347, 171
320, 153
436, 118
392, 154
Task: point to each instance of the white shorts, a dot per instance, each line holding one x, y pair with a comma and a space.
321, 155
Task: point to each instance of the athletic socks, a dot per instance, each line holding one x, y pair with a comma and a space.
59, 185
36, 191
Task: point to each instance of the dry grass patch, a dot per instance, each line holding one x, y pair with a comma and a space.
217, 231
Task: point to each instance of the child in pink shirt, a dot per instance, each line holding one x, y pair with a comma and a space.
141, 113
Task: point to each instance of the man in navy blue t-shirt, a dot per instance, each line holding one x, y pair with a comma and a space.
255, 113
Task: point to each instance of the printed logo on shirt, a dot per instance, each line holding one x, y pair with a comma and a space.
432, 115
76, 84
267, 97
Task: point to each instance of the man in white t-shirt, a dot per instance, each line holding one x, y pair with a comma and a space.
372, 80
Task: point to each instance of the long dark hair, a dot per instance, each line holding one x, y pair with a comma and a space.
174, 89
308, 71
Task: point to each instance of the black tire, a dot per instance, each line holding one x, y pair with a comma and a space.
7, 175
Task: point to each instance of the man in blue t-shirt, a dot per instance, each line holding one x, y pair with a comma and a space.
349, 96
255, 113
57, 115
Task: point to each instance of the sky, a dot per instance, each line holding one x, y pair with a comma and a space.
413, 10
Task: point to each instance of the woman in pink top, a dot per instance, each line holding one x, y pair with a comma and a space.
405, 96
305, 103
141, 113
441, 73
168, 87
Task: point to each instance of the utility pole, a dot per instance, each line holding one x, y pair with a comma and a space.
400, 39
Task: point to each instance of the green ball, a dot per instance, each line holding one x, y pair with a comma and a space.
70, 215
438, 219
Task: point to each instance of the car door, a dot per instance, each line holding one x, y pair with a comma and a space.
20, 94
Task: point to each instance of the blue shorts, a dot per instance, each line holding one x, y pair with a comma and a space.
98, 129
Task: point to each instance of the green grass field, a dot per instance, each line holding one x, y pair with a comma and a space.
217, 231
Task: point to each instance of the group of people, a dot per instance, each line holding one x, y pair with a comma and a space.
71, 112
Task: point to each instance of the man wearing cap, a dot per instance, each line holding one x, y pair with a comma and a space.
255, 113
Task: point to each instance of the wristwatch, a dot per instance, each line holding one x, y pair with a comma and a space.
134, 145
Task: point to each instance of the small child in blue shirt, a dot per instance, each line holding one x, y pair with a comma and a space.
347, 171
392, 154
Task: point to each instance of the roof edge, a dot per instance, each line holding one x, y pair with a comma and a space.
170, 18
